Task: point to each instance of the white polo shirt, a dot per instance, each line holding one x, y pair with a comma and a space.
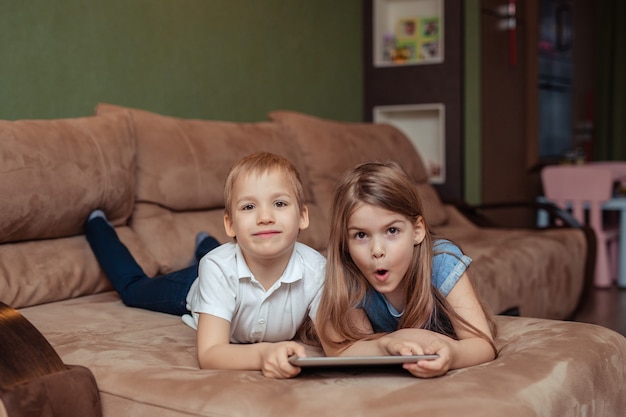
226, 288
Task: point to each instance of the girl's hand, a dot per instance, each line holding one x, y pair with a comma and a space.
275, 359
426, 368
432, 367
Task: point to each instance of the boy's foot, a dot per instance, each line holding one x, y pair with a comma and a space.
199, 238
98, 214
205, 243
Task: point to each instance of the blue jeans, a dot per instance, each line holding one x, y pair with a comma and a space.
165, 293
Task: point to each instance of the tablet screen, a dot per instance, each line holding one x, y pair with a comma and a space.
357, 360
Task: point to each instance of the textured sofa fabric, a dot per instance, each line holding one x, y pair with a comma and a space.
536, 271
51, 172
160, 180
545, 368
46, 164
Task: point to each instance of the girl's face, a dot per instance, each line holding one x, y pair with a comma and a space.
381, 244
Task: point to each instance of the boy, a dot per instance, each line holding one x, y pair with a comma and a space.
253, 294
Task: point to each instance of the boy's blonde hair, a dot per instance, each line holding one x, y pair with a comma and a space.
257, 164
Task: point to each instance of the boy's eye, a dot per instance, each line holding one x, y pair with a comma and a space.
280, 204
247, 207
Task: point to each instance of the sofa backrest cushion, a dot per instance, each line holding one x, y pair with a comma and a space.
183, 163
182, 166
331, 147
52, 174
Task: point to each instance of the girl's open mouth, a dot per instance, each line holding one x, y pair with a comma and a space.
381, 274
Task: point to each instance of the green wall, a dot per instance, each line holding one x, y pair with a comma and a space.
471, 106
216, 59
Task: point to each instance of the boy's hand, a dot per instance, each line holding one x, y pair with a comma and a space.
275, 359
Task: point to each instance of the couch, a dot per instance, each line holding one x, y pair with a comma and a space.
160, 178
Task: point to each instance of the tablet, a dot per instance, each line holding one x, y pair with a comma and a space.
357, 360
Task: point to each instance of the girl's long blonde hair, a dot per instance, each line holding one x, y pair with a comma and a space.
385, 185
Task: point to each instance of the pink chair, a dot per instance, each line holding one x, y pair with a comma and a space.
583, 190
617, 168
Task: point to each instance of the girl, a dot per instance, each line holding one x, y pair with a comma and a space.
391, 289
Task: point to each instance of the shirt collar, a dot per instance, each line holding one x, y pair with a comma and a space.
293, 272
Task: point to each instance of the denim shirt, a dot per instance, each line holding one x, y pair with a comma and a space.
449, 263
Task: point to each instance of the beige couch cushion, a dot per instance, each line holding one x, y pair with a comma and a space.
523, 268
52, 174
330, 147
145, 364
183, 163
44, 271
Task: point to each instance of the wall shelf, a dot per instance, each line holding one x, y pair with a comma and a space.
424, 125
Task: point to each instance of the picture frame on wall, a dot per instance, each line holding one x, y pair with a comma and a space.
408, 32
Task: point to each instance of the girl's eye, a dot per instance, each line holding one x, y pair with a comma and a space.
280, 204
393, 231
360, 235
247, 207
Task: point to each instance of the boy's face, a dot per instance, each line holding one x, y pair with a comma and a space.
265, 217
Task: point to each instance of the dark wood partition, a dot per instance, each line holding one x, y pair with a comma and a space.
424, 83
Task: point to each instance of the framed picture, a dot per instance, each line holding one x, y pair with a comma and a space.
408, 32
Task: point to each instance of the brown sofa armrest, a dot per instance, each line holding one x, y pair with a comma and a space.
557, 217
34, 381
